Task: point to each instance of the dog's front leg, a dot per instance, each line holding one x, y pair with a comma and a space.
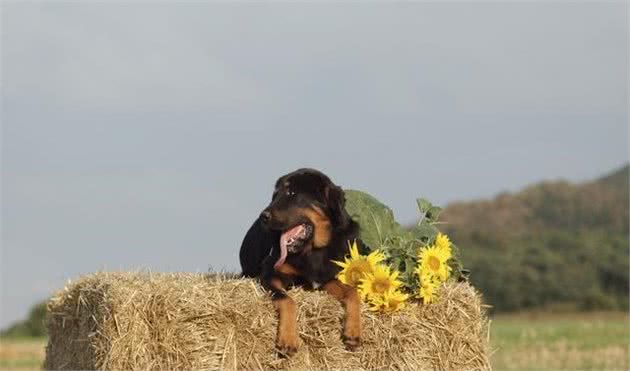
287, 335
349, 297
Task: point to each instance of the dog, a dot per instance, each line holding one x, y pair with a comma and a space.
293, 242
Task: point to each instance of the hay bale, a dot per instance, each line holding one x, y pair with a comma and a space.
197, 321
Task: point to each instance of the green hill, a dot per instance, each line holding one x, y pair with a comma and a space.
551, 245
618, 178
33, 326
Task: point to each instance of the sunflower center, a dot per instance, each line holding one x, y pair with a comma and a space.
380, 286
434, 263
356, 271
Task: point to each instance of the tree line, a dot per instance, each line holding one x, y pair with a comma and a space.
554, 245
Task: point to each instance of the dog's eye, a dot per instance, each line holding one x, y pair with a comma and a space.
290, 192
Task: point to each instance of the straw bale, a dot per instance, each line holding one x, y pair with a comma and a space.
145, 320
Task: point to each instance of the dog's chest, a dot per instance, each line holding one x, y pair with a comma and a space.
317, 269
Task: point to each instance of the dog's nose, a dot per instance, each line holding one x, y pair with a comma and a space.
265, 216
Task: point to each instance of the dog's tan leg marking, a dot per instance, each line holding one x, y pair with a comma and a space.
349, 297
287, 336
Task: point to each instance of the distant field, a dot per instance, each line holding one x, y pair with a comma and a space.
22, 354
598, 341
595, 341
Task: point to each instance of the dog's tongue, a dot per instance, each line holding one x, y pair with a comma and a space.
287, 236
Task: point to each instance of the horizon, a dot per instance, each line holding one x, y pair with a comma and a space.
4, 325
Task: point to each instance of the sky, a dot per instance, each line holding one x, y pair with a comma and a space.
149, 135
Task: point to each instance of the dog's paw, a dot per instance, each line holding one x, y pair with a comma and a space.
351, 335
287, 344
351, 342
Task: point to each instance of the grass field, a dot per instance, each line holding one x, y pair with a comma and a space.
593, 341
23, 354
596, 341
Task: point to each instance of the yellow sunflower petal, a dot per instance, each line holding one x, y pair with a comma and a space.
394, 301
442, 241
379, 281
432, 260
357, 266
375, 257
354, 250
428, 290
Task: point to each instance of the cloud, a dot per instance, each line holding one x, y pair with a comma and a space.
106, 59
263, 58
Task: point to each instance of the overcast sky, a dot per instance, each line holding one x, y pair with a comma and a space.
149, 136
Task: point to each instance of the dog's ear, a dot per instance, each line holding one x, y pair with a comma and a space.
336, 201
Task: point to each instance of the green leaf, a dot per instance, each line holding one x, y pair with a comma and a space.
423, 205
376, 220
425, 233
433, 214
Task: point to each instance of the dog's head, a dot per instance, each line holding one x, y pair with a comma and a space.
306, 207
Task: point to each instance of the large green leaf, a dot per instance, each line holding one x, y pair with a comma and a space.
376, 220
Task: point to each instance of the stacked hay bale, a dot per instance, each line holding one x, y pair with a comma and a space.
202, 321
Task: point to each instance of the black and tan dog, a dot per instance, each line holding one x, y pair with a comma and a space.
293, 242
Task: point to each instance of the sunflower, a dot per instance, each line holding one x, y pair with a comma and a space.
443, 243
390, 301
432, 261
380, 281
357, 266
428, 289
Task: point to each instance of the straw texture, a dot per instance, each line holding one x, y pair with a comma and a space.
163, 321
